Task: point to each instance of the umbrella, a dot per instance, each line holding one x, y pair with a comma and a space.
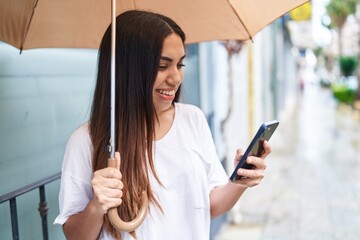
29, 24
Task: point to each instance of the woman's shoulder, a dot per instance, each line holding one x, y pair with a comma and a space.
81, 134
188, 108
78, 155
190, 112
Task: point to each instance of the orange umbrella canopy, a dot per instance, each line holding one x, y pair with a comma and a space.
29, 24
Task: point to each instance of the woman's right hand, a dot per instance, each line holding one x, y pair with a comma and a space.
107, 187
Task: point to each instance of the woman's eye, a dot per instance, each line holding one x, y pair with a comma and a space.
165, 67
179, 66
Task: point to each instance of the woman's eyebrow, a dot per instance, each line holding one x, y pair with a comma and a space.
170, 59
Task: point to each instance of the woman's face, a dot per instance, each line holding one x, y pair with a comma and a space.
170, 73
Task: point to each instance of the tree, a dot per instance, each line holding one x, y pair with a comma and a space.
338, 11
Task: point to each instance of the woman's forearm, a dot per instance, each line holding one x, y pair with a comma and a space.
223, 198
84, 225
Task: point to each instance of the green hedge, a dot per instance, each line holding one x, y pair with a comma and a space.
348, 65
343, 93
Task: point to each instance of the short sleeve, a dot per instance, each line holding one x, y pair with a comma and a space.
75, 189
215, 171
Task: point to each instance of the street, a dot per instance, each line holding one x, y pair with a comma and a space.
311, 188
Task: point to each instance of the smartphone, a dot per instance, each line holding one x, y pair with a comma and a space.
255, 148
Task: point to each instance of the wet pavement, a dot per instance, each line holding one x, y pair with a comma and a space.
311, 189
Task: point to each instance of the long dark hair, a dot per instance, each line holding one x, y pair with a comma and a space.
139, 41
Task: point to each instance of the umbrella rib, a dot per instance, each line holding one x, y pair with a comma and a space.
242, 22
28, 26
133, 4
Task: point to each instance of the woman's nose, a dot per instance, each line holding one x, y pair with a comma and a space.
175, 76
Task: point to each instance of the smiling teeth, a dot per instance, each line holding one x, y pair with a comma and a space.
168, 93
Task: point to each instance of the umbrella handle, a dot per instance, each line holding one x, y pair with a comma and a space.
113, 215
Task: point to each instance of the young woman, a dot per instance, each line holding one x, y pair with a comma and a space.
165, 147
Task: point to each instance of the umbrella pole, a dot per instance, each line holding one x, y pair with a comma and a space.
113, 215
112, 82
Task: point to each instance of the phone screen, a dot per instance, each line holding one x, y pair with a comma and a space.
255, 148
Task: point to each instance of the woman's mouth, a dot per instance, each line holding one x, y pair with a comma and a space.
166, 92
166, 95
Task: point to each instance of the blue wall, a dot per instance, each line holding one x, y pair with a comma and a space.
44, 96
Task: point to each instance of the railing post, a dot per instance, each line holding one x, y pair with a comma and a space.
43, 210
43, 207
14, 220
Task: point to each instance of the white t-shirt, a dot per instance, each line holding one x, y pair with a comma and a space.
188, 167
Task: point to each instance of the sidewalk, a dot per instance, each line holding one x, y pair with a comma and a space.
311, 189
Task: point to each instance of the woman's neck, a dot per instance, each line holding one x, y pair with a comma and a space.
164, 123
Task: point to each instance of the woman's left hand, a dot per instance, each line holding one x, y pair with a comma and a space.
252, 176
